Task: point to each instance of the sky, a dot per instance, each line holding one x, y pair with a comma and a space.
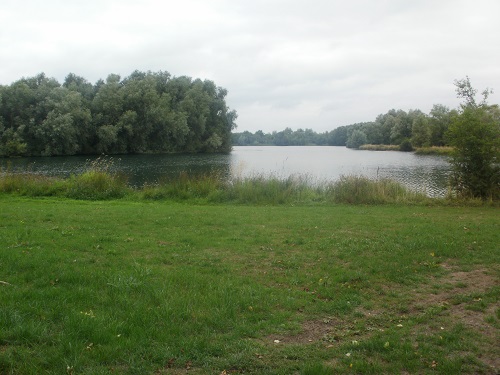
310, 64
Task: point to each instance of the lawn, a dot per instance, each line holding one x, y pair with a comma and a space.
137, 287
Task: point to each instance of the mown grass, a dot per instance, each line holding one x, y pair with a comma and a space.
143, 287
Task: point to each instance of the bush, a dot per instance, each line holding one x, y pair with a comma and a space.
356, 139
475, 135
406, 146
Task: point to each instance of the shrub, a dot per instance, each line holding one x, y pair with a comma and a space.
406, 146
475, 135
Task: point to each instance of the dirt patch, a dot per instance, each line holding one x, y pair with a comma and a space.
461, 294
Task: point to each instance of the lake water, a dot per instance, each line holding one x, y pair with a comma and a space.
317, 163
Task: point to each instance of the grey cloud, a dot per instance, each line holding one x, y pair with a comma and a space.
297, 63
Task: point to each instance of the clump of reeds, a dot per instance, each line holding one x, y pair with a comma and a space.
98, 181
30, 184
371, 147
434, 150
260, 189
362, 190
186, 187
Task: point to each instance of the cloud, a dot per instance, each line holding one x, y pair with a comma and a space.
293, 63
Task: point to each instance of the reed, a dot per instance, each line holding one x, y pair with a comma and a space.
370, 147
99, 181
362, 190
434, 150
261, 189
29, 184
185, 187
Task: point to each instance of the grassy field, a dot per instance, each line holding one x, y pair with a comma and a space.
155, 287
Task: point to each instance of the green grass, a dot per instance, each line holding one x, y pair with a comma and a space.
155, 287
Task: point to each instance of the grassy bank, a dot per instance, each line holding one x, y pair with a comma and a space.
142, 287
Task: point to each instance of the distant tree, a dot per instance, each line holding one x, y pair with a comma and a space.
439, 122
338, 136
406, 145
475, 134
356, 139
421, 131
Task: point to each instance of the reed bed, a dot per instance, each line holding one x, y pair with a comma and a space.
212, 188
99, 181
370, 147
434, 150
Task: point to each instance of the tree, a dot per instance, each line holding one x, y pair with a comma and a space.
421, 132
356, 139
475, 134
439, 122
338, 136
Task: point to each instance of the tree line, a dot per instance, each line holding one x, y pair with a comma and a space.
146, 112
396, 127
472, 130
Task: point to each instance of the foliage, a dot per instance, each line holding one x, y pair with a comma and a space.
391, 128
145, 112
287, 137
475, 134
356, 139
406, 145
138, 288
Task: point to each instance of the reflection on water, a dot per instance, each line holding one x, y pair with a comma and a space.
424, 173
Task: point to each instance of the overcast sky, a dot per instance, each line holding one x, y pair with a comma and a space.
312, 64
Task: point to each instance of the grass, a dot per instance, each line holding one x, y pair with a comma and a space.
160, 287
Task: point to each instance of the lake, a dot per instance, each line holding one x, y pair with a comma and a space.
317, 163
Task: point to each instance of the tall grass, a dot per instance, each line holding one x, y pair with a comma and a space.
99, 181
434, 150
271, 190
370, 147
185, 187
362, 190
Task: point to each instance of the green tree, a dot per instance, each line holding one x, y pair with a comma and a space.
338, 136
475, 134
439, 122
356, 139
421, 131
